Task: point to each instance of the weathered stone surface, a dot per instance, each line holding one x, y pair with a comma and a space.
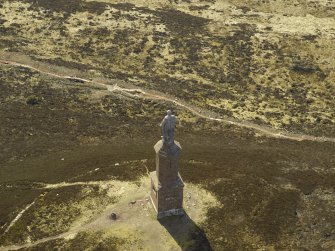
166, 183
113, 216
167, 162
168, 124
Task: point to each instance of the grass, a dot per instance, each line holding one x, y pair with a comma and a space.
84, 240
273, 193
273, 77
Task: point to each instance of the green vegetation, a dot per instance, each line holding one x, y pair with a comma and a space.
62, 141
254, 62
55, 211
83, 241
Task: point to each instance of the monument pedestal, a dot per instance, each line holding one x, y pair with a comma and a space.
166, 183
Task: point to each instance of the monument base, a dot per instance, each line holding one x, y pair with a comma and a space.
171, 212
167, 199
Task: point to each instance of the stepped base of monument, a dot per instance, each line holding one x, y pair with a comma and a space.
167, 199
171, 212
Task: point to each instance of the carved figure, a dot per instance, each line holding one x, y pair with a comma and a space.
168, 124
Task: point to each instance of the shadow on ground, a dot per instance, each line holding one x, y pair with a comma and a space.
186, 233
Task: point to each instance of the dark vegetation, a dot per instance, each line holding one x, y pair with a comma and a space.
273, 193
237, 64
267, 187
68, 7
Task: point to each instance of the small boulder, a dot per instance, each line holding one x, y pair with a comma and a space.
113, 216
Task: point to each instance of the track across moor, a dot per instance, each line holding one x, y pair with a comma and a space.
200, 112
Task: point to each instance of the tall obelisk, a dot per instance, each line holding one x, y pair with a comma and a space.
166, 183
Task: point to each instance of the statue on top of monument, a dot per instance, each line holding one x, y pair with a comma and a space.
168, 124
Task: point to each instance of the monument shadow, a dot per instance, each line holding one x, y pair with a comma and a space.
186, 233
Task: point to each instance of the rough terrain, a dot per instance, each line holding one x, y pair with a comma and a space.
84, 85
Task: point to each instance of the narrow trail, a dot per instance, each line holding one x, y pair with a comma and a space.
64, 235
135, 216
99, 221
74, 230
200, 112
18, 216
28, 245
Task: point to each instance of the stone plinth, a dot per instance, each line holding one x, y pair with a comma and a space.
166, 183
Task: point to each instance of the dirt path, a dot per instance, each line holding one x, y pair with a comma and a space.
19, 215
137, 92
131, 194
135, 220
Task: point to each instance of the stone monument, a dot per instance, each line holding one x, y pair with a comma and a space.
166, 183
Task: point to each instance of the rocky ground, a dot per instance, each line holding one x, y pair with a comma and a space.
73, 152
